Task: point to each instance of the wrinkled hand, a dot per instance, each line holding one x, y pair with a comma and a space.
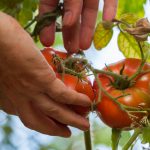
78, 21
29, 88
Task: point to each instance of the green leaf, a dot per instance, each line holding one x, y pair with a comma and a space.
128, 45
22, 10
146, 50
131, 6
11, 7
146, 135
27, 11
102, 36
25, 15
128, 18
115, 137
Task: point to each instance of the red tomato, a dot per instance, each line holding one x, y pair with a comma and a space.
139, 95
84, 87
49, 54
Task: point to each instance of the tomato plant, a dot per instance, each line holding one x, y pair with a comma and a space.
137, 90
49, 54
81, 86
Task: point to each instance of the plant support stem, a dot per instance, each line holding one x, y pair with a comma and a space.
132, 139
87, 139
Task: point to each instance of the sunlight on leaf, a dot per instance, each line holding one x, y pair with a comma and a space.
131, 6
128, 45
129, 18
102, 36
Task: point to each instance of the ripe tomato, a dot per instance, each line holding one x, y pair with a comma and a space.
49, 54
83, 86
139, 95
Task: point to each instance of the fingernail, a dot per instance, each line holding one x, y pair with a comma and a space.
67, 18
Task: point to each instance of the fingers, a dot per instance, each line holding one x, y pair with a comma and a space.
72, 10
47, 35
61, 113
110, 8
89, 14
34, 119
71, 38
60, 93
72, 13
71, 24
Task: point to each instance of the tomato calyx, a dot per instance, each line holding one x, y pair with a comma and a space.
121, 84
120, 81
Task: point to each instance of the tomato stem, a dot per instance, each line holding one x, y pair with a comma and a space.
30, 23
109, 73
99, 89
121, 22
116, 135
132, 139
139, 70
45, 20
95, 71
66, 70
87, 139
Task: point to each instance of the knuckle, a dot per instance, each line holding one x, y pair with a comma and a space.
53, 111
63, 93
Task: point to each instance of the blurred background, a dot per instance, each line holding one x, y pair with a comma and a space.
15, 136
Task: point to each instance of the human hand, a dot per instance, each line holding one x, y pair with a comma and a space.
29, 88
76, 34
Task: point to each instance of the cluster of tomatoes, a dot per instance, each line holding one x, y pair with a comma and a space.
137, 94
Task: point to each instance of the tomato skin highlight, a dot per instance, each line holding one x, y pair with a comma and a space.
83, 87
138, 95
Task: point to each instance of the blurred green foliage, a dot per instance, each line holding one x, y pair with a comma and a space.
131, 6
24, 11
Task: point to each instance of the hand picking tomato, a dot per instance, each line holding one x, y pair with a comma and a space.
49, 54
138, 95
81, 86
